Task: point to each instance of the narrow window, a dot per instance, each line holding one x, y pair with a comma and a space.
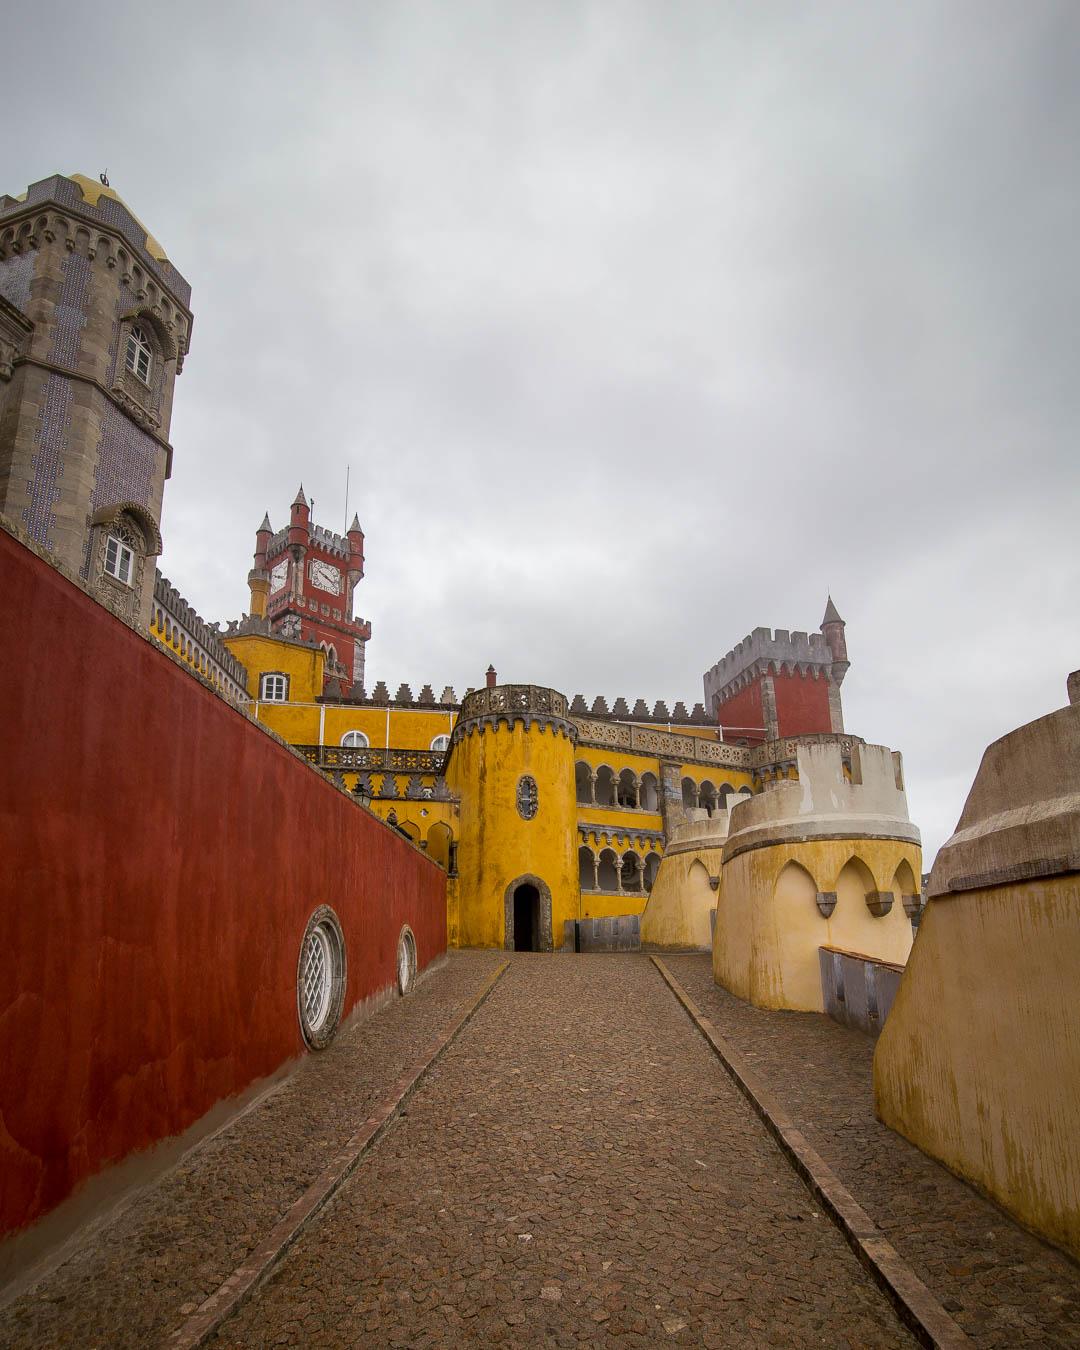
139, 354
275, 689
354, 740
119, 559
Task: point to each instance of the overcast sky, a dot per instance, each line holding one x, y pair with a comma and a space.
639, 325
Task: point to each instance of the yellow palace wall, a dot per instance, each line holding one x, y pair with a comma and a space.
769, 927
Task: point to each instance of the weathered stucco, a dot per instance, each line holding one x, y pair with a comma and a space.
817, 861
497, 845
979, 1062
678, 914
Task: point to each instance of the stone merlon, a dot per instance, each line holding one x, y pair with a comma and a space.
803, 651
823, 803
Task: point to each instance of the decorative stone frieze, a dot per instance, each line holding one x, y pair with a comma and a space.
509, 704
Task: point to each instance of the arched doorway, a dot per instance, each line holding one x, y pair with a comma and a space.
528, 915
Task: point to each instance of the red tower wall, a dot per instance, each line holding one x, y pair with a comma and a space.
802, 703
802, 708
161, 859
743, 710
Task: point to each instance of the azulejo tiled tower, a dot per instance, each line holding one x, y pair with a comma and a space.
94, 325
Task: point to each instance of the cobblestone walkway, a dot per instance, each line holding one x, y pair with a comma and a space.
1001, 1284
126, 1283
576, 1169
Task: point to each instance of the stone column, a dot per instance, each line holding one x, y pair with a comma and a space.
596, 871
637, 792
592, 786
640, 863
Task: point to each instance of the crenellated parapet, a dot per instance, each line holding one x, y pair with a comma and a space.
380, 697
175, 623
659, 714
512, 704
840, 788
765, 651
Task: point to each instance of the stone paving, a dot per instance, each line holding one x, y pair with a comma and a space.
577, 1169
1001, 1284
125, 1284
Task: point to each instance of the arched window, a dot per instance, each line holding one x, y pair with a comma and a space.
354, 740
441, 744
139, 354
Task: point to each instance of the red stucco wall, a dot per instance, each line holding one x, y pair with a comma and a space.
741, 711
160, 859
802, 707
802, 703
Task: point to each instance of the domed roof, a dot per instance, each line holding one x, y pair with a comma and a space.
93, 190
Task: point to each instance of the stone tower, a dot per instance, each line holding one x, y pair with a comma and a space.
781, 684
94, 325
302, 584
512, 763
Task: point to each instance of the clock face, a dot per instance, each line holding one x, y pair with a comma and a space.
279, 574
326, 576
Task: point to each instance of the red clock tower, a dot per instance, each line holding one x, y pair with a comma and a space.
303, 582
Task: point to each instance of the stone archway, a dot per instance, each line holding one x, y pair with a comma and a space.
539, 908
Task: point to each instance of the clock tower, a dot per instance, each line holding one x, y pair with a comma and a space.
302, 583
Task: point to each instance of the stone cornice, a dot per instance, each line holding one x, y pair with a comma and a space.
116, 222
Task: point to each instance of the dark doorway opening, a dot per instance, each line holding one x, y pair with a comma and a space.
526, 917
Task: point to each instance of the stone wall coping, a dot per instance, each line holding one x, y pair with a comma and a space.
1021, 820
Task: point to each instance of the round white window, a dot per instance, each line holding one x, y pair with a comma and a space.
406, 961
354, 740
320, 978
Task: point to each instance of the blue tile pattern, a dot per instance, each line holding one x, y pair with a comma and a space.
70, 313
47, 462
15, 276
126, 462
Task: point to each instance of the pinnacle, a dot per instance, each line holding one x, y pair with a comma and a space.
355, 524
265, 523
300, 500
831, 615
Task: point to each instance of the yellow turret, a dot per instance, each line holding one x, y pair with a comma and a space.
512, 766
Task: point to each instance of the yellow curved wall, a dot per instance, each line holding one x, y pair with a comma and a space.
979, 1060
765, 947
495, 844
677, 914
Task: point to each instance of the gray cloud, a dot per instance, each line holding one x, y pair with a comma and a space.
638, 325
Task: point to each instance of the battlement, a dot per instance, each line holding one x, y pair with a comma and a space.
329, 541
335, 692
177, 624
321, 537
620, 711
823, 801
779, 647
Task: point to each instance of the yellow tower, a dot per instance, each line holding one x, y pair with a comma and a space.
512, 767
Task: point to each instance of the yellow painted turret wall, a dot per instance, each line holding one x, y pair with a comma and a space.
496, 845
